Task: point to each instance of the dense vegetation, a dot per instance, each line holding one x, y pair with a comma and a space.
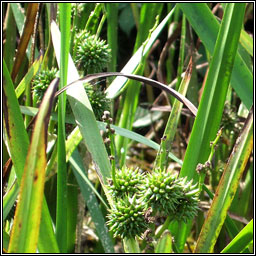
153, 152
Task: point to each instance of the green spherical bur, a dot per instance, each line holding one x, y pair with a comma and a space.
98, 100
41, 82
129, 181
93, 54
163, 190
132, 221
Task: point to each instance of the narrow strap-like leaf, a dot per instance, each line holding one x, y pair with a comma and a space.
26, 227
142, 79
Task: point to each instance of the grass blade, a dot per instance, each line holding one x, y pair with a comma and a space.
229, 223
207, 27
182, 51
20, 20
247, 42
226, 188
92, 203
84, 116
9, 48
172, 123
139, 138
118, 85
47, 241
9, 199
112, 18
18, 143
102, 126
131, 245
146, 80
164, 244
24, 236
82, 179
27, 32
5, 240
17, 138
211, 105
241, 241
29, 76
61, 211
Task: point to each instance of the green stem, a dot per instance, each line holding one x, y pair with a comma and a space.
213, 144
131, 245
113, 164
101, 25
164, 227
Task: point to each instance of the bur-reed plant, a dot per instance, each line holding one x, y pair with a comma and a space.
54, 151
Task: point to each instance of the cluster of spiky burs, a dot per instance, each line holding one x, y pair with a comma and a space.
126, 218
135, 193
91, 55
169, 195
95, 95
98, 100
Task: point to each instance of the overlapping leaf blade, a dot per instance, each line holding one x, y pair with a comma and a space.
26, 227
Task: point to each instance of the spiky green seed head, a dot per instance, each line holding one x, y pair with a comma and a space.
162, 191
129, 181
126, 218
41, 82
187, 207
92, 54
98, 100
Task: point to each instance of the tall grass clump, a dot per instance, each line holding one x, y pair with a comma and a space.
128, 127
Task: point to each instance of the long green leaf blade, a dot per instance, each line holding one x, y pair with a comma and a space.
17, 139
118, 85
24, 40
24, 236
241, 241
212, 102
18, 144
92, 203
172, 123
164, 244
61, 211
102, 126
112, 31
9, 199
145, 80
84, 116
226, 189
28, 77
207, 27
